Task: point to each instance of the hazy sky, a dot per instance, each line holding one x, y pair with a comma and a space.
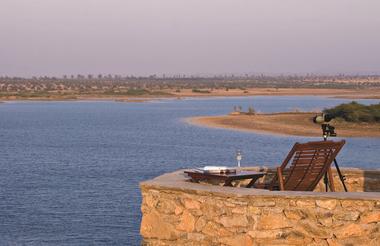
142, 37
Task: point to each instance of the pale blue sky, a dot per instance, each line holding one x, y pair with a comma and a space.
142, 37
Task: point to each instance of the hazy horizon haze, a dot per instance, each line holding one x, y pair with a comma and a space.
57, 37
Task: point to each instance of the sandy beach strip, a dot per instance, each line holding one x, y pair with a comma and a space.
373, 93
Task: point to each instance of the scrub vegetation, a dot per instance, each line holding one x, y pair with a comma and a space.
355, 112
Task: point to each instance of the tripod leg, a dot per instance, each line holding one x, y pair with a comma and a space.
341, 176
331, 180
326, 181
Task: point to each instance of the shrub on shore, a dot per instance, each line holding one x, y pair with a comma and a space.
200, 91
137, 92
129, 92
355, 112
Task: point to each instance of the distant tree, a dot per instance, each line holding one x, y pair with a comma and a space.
251, 111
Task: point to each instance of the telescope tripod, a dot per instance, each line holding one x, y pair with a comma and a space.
341, 176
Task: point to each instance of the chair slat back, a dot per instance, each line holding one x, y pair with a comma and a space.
308, 163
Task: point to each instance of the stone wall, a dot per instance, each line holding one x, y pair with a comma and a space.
179, 212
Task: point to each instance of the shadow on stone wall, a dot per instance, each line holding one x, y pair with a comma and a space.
357, 180
371, 182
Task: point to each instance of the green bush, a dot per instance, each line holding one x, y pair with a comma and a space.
129, 92
355, 112
137, 92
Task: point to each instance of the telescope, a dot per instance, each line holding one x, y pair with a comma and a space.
322, 119
329, 131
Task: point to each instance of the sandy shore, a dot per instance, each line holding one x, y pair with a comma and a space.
186, 93
340, 93
134, 100
298, 124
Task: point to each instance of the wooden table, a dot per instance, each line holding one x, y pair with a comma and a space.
227, 178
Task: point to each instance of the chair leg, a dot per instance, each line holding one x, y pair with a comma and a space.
280, 178
331, 180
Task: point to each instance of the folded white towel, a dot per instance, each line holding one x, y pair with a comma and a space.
214, 168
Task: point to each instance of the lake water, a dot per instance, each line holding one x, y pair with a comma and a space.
69, 171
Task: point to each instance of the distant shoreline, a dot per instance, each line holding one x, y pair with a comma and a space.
188, 93
295, 124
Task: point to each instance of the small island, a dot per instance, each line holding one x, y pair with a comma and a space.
350, 120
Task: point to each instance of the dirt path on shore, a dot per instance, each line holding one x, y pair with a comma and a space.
298, 124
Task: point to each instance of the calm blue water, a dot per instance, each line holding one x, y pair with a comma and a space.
69, 171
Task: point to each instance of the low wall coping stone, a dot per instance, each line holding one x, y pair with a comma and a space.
179, 181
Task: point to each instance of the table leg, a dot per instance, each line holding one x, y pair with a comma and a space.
252, 182
228, 182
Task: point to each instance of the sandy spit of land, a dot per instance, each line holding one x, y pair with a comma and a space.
298, 124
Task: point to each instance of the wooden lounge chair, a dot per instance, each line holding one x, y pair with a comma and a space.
309, 162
